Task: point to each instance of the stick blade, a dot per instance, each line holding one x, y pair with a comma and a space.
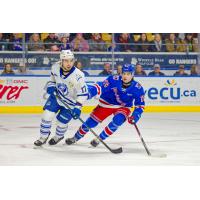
116, 151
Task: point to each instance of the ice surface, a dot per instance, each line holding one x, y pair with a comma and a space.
176, 134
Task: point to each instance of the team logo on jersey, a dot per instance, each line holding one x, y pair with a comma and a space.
63, 88
106, 83
115, 77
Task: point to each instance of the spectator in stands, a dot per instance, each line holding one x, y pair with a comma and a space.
28, 36
7, 36
60, 35
119, 70
96, 43
135, 36
52, 42
156, 71
181, 43
72, 36
139, 71
125, 42
35, 44
193, 71
3, 45
79, 65
192, 43
171, 43
113, 47
87, 36
65, 44
8, 70
79, 43
24, 71
165, 36
16, 42
107, 70
158, 45
43, 36
107, 38
143, 44
181, 71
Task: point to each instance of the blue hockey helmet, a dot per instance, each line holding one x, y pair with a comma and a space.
128, 68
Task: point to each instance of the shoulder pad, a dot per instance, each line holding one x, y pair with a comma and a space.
138, 85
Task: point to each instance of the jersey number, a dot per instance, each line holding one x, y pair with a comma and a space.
83, 89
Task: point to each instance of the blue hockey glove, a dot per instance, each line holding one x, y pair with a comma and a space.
92, 91
76, 112
51, 90
133, 119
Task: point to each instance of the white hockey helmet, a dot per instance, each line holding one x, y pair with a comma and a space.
66, 54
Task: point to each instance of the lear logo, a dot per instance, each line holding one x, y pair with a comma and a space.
170, 92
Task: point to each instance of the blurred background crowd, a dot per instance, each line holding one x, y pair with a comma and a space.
146, 43
123, 42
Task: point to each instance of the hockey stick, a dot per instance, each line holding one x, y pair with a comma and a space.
118, 150
145, 146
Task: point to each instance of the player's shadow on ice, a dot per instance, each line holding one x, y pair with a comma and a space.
79, 149
84, 149
135, 148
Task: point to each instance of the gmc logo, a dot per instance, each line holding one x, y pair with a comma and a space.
21, 81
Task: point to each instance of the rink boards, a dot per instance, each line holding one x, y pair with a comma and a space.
25, 94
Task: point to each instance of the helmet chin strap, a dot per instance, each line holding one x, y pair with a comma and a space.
125, 85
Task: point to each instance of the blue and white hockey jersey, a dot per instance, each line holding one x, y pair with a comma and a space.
71, 88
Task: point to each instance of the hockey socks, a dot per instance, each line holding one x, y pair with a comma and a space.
45, 128
109, 130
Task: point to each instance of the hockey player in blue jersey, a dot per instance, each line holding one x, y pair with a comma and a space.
117, 96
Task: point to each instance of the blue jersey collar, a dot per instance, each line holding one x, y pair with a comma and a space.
70, 72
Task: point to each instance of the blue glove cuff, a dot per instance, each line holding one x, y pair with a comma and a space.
136, 116
51, 90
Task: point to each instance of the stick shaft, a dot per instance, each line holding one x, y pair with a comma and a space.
143, 142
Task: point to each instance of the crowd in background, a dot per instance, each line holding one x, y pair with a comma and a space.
107, 70
84, 42
139, 71
102, 42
